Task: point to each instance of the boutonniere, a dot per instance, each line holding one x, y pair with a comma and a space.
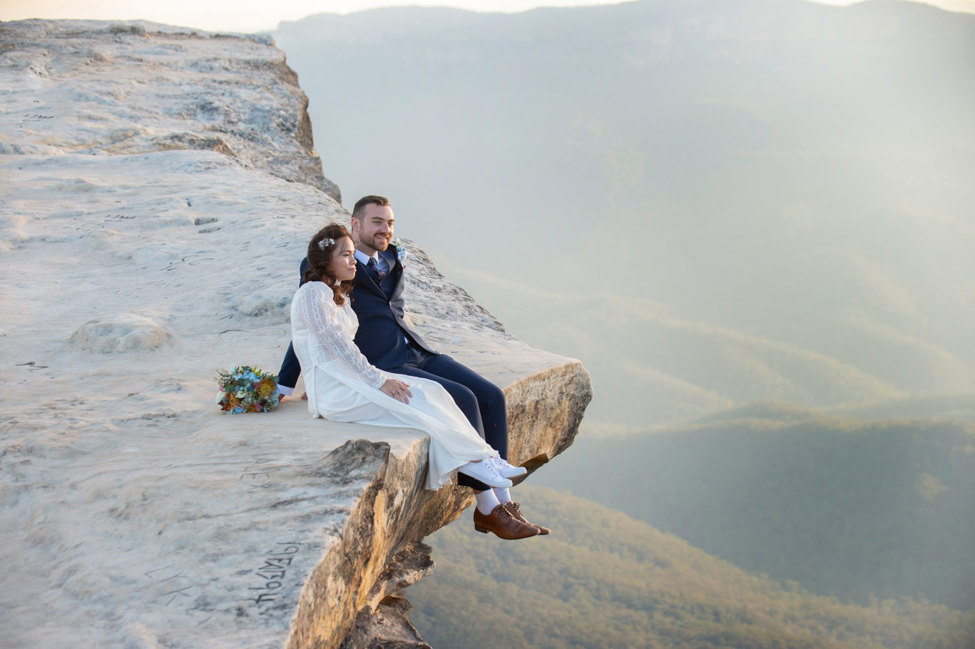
401, 253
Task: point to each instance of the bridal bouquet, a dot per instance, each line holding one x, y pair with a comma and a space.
247, 389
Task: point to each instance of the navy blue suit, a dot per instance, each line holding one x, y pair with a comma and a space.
390, 344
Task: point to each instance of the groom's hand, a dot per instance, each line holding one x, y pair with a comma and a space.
397, 389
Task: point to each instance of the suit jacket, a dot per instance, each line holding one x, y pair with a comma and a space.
382, 327
383, 332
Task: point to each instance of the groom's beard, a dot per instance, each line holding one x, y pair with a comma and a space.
378, 242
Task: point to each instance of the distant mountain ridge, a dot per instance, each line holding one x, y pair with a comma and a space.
850, 509
743, 177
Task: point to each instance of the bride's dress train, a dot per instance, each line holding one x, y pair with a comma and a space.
343, 386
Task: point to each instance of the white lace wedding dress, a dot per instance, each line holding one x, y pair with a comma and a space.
343, 386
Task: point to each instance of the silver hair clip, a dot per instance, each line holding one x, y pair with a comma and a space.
325, 243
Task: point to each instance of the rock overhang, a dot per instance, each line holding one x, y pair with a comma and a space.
133, 510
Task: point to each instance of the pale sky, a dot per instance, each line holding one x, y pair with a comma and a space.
264, 15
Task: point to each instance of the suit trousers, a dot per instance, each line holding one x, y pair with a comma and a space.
481, 401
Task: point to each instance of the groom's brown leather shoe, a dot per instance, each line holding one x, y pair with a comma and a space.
515, 511
503, 524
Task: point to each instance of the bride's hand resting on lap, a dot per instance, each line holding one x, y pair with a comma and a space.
397, 389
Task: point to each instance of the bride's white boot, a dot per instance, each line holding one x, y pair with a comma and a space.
485, 471
507, 470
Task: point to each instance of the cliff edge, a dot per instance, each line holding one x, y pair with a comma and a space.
160, 186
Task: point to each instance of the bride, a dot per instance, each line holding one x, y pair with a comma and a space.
343, 386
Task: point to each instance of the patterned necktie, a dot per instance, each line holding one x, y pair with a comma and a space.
374, 268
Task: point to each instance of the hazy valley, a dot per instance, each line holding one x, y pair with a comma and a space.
606, 581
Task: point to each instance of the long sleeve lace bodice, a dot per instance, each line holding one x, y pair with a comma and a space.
342, 386
331, 329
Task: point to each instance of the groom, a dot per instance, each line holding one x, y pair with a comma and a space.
390, 344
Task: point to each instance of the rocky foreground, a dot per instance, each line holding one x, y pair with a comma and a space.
159, 187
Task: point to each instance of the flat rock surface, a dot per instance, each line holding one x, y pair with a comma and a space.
134, 513
130, 87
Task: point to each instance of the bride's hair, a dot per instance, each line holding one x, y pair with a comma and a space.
320, 250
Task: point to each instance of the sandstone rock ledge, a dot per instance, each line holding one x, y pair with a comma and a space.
380, 554
134, 266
